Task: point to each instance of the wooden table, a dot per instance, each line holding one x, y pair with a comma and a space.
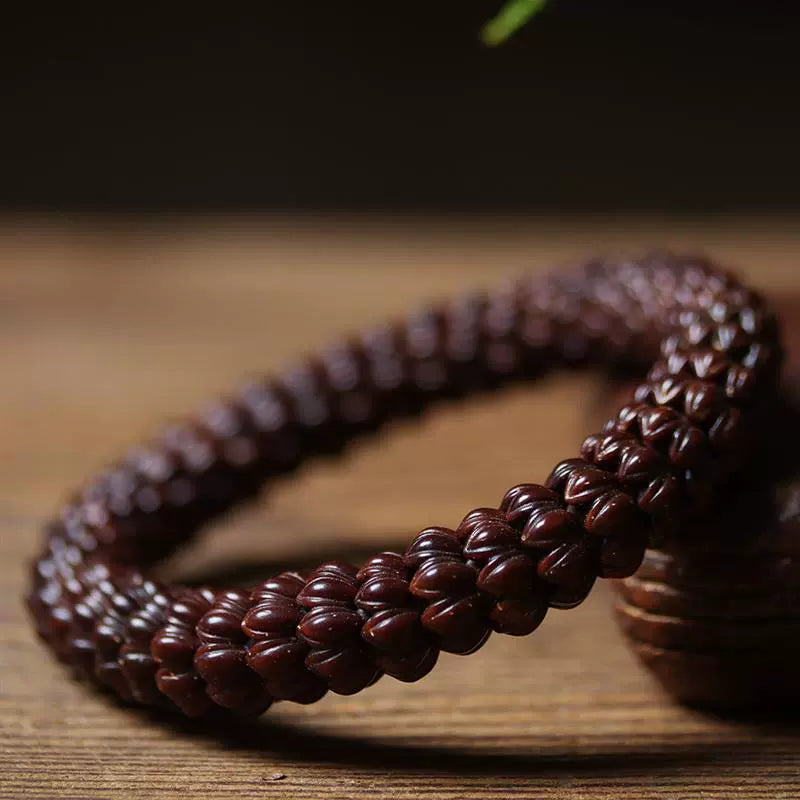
108, 325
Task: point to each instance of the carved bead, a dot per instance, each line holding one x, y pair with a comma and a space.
287, 584
663, 393
658, 424
392, 630
230, 683
508, 575
136, 662
557, 481
688, 448
620, 556
432, 543
384, 564
703, 400
281, 665
327, 626
728, 434
461, 623
272, 616
568, 564
186, 690
518, 617
109, 633
740, 383
439, 578
520, 502
173, 648
331, 584
661, 496
590, 447
708, 364
608, 450
627, 419
411, 667
551, 527
565, 597
612, 513
221, 658
488, 540
381, 592
344, 670
222, 622
729, 337
478, 517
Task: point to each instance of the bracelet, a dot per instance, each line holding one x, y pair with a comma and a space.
295, 636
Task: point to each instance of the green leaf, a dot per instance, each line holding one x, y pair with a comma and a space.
511, 17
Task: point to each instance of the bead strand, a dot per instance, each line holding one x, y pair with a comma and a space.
340, 628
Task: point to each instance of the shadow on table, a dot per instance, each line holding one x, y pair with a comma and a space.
556, 758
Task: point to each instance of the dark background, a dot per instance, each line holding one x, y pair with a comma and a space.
596, 105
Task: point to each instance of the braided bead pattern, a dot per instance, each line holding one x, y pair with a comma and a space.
340, 628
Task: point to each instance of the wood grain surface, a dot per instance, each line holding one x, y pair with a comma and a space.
107, 326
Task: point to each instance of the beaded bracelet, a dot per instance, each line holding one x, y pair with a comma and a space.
339, 628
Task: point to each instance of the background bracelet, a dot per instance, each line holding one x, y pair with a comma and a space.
716, 354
